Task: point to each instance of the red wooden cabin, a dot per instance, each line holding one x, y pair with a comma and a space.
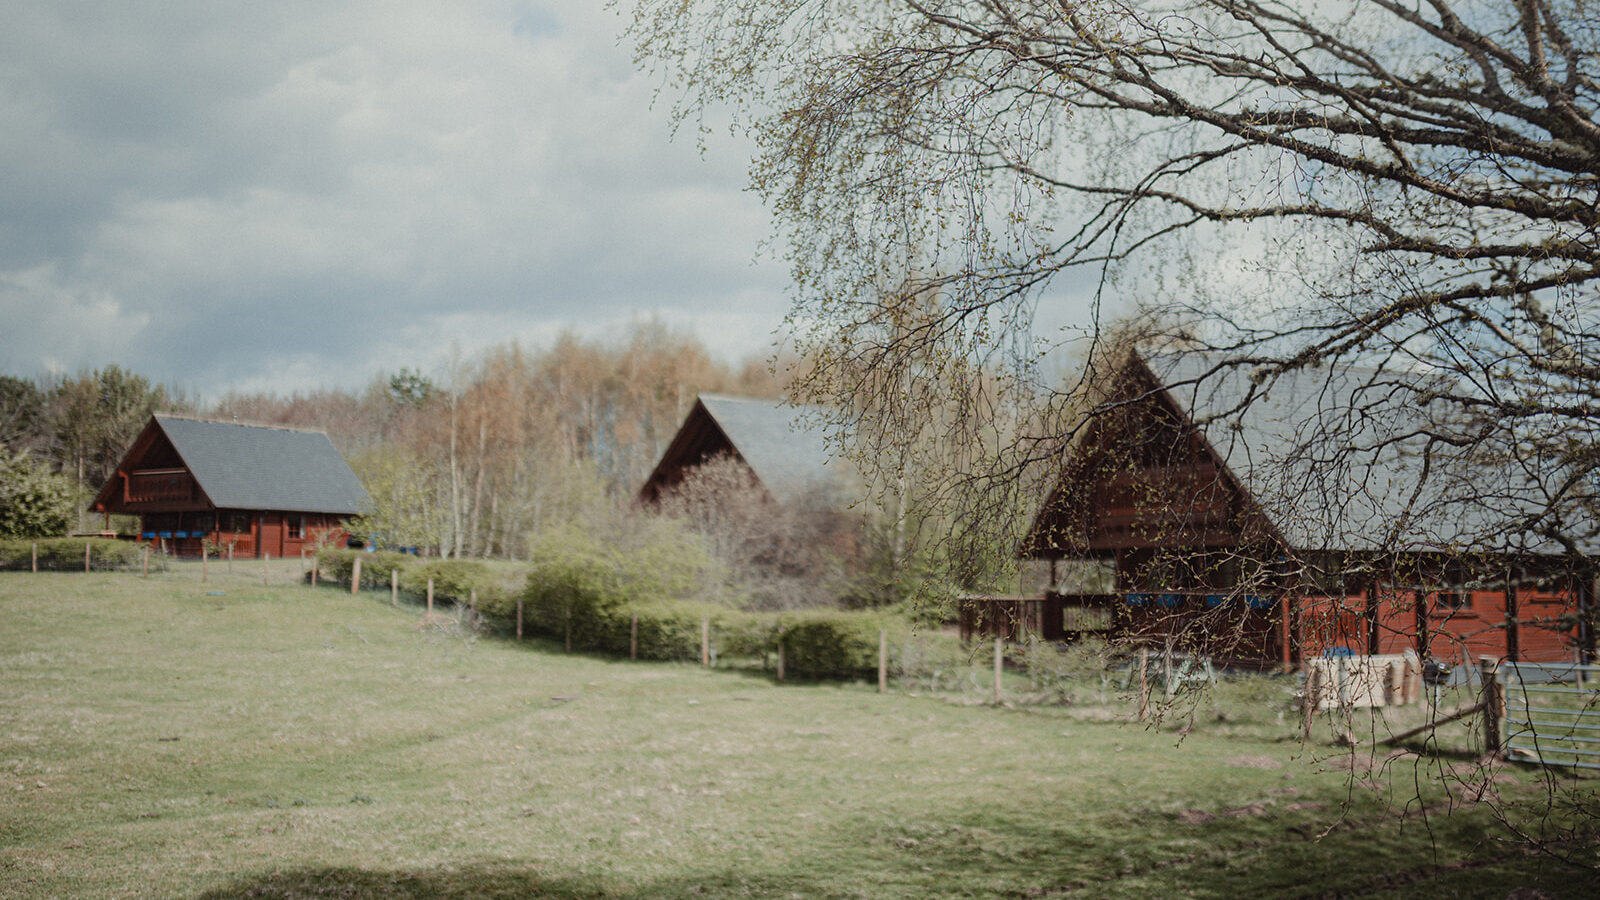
1298, 524
259, 490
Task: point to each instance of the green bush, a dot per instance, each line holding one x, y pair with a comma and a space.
491, 590
825, 643
589, 589
335, 564
66, 554
34, 501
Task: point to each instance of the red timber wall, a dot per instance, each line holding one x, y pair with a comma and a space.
249, 533
1454, 626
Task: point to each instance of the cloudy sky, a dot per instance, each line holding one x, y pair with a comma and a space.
279, 196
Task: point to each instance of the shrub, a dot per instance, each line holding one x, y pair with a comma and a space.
66, 554
34, 501
580, 585
836, 643
336, 563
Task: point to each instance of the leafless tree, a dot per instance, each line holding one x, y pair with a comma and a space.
1288, 187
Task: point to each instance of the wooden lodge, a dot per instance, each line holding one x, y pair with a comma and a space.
1237, 532
257, 490
783, 448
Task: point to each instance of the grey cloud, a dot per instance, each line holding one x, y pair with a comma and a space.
221, 195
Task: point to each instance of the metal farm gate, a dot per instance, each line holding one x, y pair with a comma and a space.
1552, 713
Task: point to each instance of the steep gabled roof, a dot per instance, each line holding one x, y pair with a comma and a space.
259, 467
785, 446
1343, 457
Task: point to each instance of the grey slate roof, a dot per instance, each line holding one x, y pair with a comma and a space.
257, 467
786, 446
1338, 458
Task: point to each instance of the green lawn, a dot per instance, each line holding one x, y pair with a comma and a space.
164, 737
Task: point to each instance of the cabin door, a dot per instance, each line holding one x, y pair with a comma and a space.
271, 535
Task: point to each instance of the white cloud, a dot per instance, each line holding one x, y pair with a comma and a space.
295, 194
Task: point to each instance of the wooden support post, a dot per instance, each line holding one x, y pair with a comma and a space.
394, 587
1144, 683
430, 595
355, 575
1494, 709
1513, 619
1312, 699
999, 661
1286, 611
633, 637
36, 557
883, 661
86, 557
519, 617
705, 642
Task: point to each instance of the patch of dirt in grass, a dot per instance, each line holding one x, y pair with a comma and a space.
1255, 761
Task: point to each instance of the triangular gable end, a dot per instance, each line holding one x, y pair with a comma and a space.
1143, 475
151, 465
699, 439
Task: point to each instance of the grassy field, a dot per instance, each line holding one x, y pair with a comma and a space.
164, 738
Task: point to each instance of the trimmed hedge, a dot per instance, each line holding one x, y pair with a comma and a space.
826, 643
66, 554
336, 563
454, 580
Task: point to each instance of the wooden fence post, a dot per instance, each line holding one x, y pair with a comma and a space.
1144, 683
86, 557
146, 561
780, 656
472, 607
265, 559
1493, 706
430, 595
314, 576
569, 628
633, 638
705, 642
355, 575
204, 564
997, 664
883, 660
519, 617
394, 587
36, 557
230, 557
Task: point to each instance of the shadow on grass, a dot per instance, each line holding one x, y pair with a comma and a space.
1267, 853
496, 879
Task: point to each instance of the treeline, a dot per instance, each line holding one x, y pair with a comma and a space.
470, 459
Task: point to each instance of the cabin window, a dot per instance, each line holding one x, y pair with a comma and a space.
295, 526
1451, 601
235, 522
